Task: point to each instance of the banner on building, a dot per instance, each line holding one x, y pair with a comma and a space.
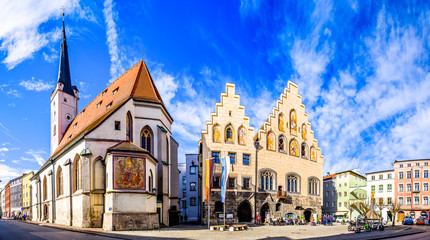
208, 178
225, 161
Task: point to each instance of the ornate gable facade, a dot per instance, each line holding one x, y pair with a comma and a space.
289, 162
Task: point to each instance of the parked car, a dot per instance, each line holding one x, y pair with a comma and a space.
408, 221
340, 219
422, 221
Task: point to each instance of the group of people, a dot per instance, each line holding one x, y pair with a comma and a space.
328, 220
283, 221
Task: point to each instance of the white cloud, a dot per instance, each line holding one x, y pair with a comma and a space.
20, 35
34, 85
248, 7
165, 84
37, 156
116, 68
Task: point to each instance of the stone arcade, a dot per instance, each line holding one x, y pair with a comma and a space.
114, 162
289, 168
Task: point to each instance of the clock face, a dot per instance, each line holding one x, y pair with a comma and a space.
68, 117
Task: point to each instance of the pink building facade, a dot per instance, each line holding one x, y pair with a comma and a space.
411, 178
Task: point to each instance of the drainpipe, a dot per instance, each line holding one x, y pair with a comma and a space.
53, 190
104, 190
71, 192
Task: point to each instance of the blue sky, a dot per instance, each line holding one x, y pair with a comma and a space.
362, 68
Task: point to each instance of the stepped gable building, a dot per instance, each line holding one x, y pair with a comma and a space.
288, 167
113, 162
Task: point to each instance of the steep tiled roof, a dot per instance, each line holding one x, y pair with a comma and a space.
135, 83
127, 146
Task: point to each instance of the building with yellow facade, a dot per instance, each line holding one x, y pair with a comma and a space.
26, 193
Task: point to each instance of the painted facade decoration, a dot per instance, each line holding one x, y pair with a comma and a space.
293, 122
216, 132
271, 141
304, 131
294, 148
281, 143
313, 154
129, 173
242, 136
281, 122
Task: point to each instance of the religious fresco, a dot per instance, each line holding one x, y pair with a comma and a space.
216, 133
281, 122
313, 154
294, 148
304, 131
242, 136
129, 173
293, 122
271, 141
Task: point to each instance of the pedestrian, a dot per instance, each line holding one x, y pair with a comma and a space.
331, 220
258, 220
24, 216
324, 220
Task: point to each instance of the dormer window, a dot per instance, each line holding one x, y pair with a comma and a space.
108, 106
104, 92
82, 113
69, 137
115, 91
98, 104
75, 125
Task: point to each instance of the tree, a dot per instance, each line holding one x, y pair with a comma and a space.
394, 208
350, 206
362, 207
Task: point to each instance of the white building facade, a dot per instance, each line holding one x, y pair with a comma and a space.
380, 188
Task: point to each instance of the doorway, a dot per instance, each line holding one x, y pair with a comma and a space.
45, 212
265, 212
244, 213
307, 214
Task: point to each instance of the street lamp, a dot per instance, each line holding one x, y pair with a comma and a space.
257, 147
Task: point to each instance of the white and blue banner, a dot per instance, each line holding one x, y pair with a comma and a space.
225, 161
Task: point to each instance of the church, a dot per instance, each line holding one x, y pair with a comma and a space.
276, 171
113, 164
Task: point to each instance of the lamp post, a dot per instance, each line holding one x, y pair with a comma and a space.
257, 147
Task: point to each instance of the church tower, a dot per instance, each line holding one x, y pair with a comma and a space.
64, 98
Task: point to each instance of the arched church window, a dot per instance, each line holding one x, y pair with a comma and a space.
229, 133
303, 151
271, 141
77, 173
241, 135
267, 179
281, 122
313, 154
129, 127
304, 131
216, 133
45, 189
313, 186
146, 136
293, 122
281, 143
294, 148
59, 181
99, 174
293, 183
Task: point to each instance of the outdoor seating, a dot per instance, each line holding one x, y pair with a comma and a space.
219, 227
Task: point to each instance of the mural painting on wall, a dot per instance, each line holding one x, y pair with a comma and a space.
313, 154
242, 136
271, 141
293, 122
304, 131
281, 122
216, 133
129, 173
294, 148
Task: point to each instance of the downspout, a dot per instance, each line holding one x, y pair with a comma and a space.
40, 199
71, 189
104, 190
53, 190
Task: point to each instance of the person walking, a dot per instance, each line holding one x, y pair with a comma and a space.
331, 220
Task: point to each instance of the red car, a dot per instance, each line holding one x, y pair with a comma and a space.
423, 220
